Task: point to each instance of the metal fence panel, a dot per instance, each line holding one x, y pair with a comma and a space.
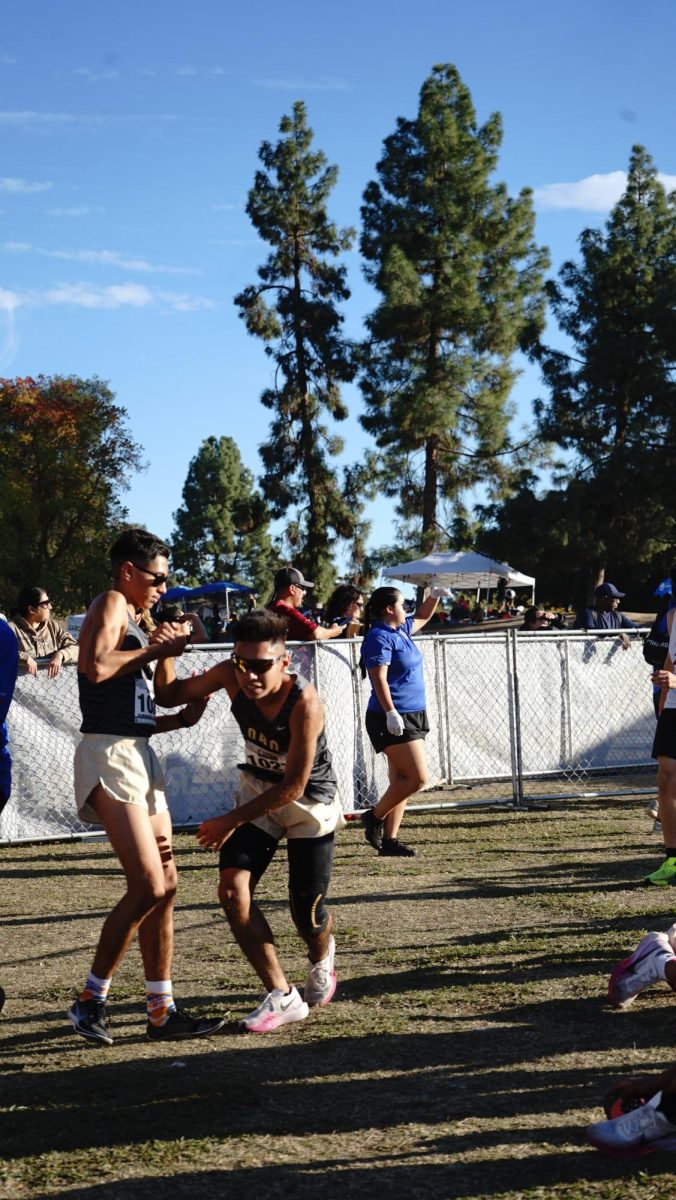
582, 711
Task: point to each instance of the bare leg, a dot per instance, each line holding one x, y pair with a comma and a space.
250, 928
156, 932
666, 783
131, 835
407, 766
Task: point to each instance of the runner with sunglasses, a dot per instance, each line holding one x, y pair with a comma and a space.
119, 784
287, 787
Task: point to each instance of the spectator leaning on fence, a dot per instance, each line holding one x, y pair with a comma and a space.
119, 784
396, 717
605, 614
40, 636
287, 599
345, 607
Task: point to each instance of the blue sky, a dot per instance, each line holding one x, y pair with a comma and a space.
129, 139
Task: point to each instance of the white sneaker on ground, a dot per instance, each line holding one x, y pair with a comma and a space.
321, 978
635, 1133
652, 810
275, 1009
640, 969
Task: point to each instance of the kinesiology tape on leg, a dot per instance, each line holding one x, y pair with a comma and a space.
309, 913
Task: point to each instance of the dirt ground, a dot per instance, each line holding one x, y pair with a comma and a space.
468, 1045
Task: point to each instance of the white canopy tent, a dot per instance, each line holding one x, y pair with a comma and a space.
462, 568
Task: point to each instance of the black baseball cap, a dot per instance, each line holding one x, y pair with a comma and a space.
609, 589
290, 575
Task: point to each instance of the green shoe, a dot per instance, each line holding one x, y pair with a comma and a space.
664, 875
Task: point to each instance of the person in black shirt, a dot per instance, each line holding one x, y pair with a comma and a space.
119, 784
287, 787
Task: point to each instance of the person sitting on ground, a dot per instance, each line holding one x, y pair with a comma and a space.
345, 607
287, 599
38, 635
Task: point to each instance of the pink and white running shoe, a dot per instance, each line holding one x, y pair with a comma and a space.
275, 1009
321, 979
642, 968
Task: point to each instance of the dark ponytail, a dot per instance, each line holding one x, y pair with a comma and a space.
382, 598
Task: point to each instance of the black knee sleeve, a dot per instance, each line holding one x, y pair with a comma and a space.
309, 912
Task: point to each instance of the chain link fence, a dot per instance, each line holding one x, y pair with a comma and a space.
513, 717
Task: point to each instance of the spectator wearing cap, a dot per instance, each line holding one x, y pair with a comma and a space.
289, 591
604, 614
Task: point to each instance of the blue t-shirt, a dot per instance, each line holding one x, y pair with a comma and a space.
395, 648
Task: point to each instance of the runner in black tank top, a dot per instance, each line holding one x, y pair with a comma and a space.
118, 783
287, 788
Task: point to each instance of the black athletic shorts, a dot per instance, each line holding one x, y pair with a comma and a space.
416, 728
310, 859
665, 735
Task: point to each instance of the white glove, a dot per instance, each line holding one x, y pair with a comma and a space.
395, 723
438, 593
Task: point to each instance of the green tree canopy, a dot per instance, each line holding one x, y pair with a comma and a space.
611, 402
221, 528
293, 309
460, 278
65, 456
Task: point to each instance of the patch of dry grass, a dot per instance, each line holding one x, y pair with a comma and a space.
466, 1049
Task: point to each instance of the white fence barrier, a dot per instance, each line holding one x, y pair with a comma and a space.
582, 707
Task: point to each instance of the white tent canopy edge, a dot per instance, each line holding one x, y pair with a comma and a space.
460, 568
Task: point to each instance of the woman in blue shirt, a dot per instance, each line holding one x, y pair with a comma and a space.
396, 720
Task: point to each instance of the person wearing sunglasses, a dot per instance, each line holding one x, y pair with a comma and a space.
39, 635
288, 598
287, 788
345, 607
119, 784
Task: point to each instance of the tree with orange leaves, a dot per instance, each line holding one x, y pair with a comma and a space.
65, 455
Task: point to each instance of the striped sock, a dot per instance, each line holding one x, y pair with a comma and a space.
160, 1001
95, 988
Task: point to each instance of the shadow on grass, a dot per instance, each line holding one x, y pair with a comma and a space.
343, 1179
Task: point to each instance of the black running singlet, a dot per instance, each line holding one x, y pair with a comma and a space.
124, 705
267, 742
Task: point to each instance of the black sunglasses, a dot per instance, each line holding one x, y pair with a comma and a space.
156, 576
259, 666
44, 604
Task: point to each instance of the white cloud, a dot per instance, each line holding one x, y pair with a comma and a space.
190, 71
96, 76
22, 186
46, 121
324, 84
6, 60
96, 296
226, 207
76, 210
85, 295
106, 258
594, 193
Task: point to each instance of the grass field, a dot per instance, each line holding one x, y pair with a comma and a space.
466, 1049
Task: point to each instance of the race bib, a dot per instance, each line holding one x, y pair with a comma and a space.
144, 703
265, 759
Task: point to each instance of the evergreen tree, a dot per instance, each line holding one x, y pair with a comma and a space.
612, 399
460, 278
221, 529
293, 310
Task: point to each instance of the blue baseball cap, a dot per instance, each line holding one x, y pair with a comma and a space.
608, 589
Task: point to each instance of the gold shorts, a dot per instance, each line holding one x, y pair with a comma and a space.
126, 768
300, 819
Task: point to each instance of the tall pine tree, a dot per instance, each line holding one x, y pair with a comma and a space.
612, 399
221, 529
460, 278
293, 309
